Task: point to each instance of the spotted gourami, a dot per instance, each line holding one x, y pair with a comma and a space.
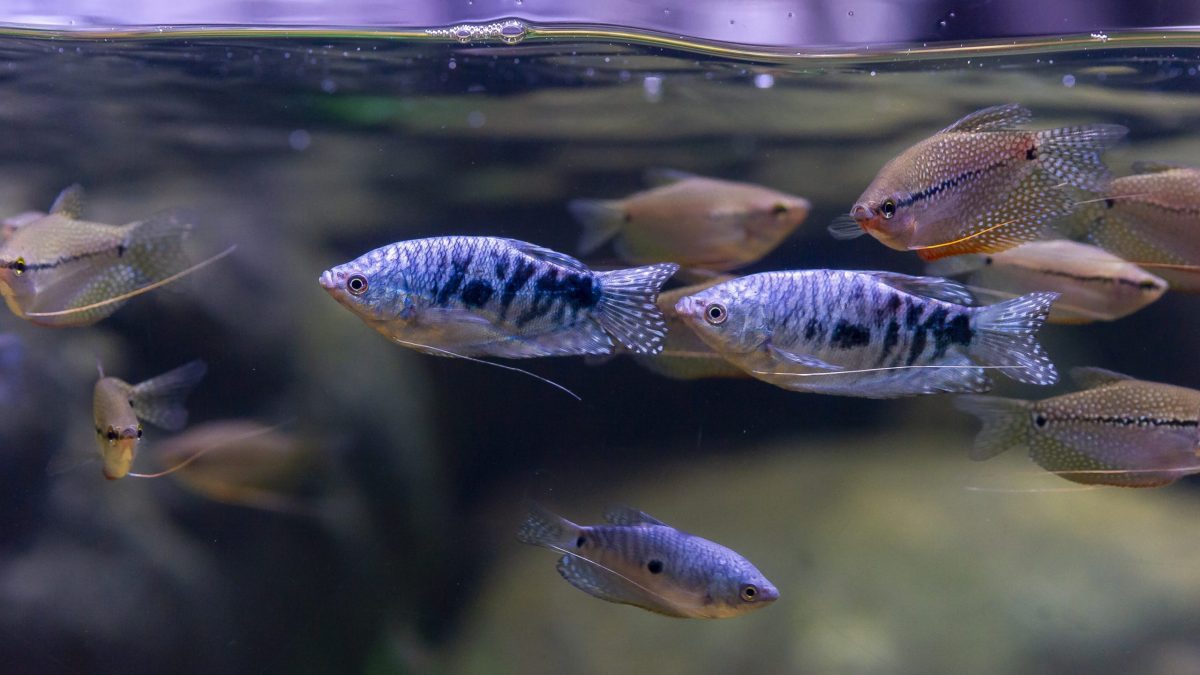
1116, 431
869, 334
980, 185
58, 270
118, 408
486, 296
1151, 218
1094, 285
697, 222
638, 560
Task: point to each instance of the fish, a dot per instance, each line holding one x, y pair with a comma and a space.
1117, 430
685, 356
240, 462
980, 185
638, 560
60, 271
1151, 218
1095, 285
119, 408
488, 296
698, 222
869, 334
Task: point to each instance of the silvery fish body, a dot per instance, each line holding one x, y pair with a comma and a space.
1095, 284
638, 560
117, 407
487, 296
869, 334
981, 184
55, 262
1116, 431
1151, 218
692, 220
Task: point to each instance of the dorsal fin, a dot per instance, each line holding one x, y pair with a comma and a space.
1089, 378
625, 515
659, 176
1152, 166
936, 288
69, 202
541, 253
995, 118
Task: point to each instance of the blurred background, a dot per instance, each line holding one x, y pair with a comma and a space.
380, 536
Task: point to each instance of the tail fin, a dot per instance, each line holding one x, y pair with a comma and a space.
627, 308
543, 528
601, 221
1005, 423
1007, 338
155, 245
1072, 154
159, 400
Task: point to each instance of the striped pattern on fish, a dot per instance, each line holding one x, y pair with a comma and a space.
869, 334
487, 296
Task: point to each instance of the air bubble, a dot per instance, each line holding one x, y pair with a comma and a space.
1068, 80
299, 140
764, 80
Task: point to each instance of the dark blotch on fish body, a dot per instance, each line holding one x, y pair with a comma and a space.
476, 293
848, 336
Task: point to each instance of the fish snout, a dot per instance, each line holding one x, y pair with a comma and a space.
768, 593
689, 306
331, 280
862, 213
128, 433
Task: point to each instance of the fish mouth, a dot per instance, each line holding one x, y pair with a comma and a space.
329, 280
862, 214
768, 594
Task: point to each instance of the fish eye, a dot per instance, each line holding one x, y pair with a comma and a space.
715, 314
779, 209
111, 435
1039, 420
19, 266
749, 592
139, 431
888, 208
357, 284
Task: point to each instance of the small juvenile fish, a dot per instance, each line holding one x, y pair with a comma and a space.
1117, 431
119, 407
1095, 285
685, 356
980, 185
695, 221
486, 296
638, 560
240, 462
1152, 219
869, 334
57, 262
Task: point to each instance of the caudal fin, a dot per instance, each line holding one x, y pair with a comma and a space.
627, 309
1007, 338
160, 400
544, 528
1005, 423
601, 221
1072, 154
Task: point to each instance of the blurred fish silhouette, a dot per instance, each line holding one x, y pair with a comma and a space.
118, 408
638, 560
485, 296
241, 462
58, 270
1094, 285
697, 222
1117, 431
1151, 219
980, 185
869, 334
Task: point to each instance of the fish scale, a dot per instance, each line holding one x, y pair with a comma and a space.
869, 334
